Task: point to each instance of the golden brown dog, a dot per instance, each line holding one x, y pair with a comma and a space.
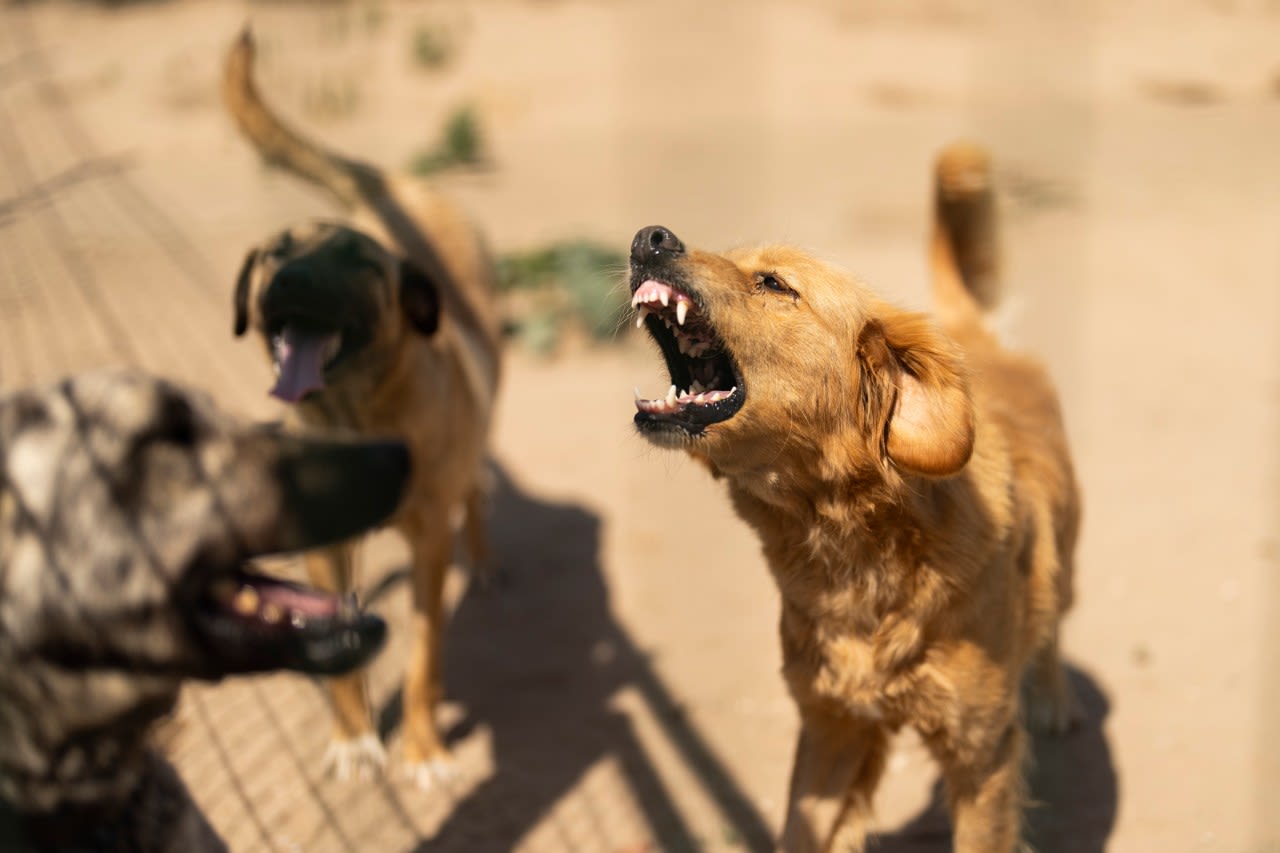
912, 488
384, 326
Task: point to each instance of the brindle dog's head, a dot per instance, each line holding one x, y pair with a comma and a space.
330, 301
128, 511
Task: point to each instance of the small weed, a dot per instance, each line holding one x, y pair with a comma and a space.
570, 284
461, 145
433, 46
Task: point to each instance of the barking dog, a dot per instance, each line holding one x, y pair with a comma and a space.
128, 509
913, 492
385, 326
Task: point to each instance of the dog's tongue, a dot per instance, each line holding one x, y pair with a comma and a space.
300, 358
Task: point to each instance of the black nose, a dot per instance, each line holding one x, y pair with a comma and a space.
655, 240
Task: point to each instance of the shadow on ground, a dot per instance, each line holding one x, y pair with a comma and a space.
1073, 788
537, 659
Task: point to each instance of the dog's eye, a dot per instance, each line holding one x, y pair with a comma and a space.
771, 282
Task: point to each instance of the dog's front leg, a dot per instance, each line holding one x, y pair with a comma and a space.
985, 786
426, 759
838, 763
354, 750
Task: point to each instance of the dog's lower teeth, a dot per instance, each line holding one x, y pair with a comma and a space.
272, 614
298, 619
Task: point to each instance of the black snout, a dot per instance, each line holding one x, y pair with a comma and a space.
333, 490
654, 242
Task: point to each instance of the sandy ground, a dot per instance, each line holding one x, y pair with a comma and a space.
619, 689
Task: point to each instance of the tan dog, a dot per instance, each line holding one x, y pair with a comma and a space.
912, 488
128, 509
384, 326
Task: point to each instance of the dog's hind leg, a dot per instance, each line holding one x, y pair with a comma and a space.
354, 750
1049, 704
426, 759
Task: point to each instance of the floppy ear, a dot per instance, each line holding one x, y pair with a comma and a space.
915, 393
241, 298
419, 298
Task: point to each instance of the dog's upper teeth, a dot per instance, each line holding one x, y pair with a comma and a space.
682, 310
246, 601
664, 296
640, 318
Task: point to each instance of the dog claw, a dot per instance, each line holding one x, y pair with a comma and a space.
360, 758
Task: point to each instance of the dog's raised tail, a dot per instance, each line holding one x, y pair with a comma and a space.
280, 144
964, 256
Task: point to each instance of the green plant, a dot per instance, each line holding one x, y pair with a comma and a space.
461, 145
433, 46
569, 283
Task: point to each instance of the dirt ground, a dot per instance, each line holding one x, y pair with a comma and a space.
618, 690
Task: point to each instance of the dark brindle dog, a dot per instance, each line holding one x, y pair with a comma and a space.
386, 326
128, 510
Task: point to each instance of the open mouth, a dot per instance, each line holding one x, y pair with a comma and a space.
706, 385
255, 623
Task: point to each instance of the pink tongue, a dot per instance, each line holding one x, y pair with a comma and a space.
300, 360
302, 601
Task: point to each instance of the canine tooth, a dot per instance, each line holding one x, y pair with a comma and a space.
638, 395
297, 619
272, 613
671, 396
682, 310
246, 601
640, 319
664, 297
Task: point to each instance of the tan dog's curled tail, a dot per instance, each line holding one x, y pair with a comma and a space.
280, 145
964, 253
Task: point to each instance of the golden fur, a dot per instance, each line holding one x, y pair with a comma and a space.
913, 491
411, 278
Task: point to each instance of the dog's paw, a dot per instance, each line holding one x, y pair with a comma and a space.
357, 758
435, 772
